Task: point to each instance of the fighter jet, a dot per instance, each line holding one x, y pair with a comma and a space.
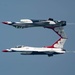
56, 26
56, 48
26, 23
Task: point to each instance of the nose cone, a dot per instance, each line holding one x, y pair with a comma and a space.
4, 50
5, 22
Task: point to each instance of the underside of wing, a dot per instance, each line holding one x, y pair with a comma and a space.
37, 53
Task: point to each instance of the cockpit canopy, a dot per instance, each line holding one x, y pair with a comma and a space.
19, 46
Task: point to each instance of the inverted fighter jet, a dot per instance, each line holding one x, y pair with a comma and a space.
26, 23
56, 26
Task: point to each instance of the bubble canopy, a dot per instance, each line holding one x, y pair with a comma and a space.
19, 46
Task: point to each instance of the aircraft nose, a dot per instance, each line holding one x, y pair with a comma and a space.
4, 50
5, 22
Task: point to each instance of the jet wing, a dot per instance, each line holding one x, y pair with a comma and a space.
37, 53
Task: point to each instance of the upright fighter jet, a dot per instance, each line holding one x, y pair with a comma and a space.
56, 48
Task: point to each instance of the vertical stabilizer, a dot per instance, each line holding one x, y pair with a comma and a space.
58, 44
60, 31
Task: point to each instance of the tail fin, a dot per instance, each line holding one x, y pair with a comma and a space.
59, 31
58, 44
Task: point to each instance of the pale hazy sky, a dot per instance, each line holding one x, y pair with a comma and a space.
16, 64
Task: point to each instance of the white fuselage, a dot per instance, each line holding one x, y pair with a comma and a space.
37, 49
